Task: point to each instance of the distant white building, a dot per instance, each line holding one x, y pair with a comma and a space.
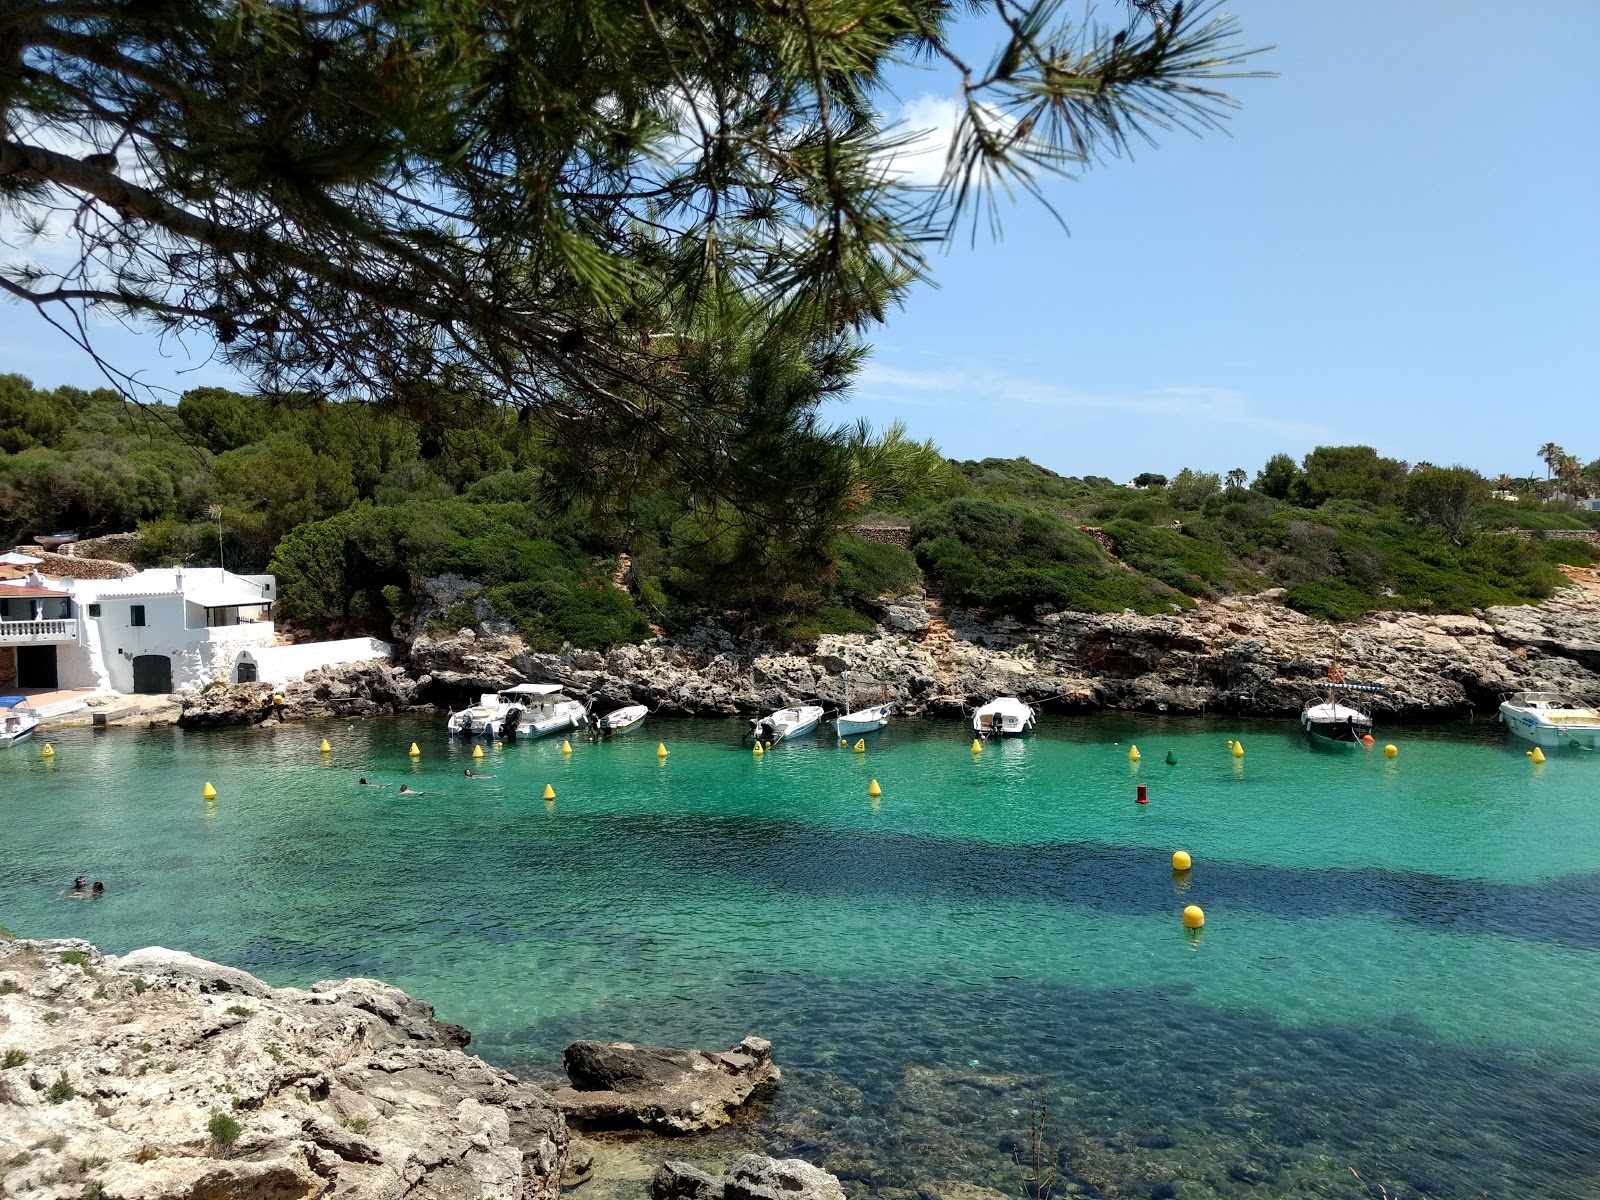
171, 629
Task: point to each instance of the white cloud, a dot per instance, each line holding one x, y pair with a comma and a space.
984, 387
928, 126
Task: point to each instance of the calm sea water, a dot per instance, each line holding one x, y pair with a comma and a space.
1398, 983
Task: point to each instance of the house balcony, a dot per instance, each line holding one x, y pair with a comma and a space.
37, 633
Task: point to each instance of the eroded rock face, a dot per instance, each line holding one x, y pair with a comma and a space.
360, 689
751, 1177
160, 1076
618, 1084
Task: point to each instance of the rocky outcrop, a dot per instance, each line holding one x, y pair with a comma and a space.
159, 1076
751, 1177
358, 689
1246, 655
619, 1085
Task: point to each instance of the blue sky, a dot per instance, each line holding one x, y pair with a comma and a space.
1397, 243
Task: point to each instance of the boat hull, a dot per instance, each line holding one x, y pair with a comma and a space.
1012, 720
1531, 728
867, 720
786, 723
625, 719
1337, 731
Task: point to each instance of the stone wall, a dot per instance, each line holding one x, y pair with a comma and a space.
78, 568
8, 667
888, 535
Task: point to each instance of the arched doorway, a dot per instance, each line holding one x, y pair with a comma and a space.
152, 674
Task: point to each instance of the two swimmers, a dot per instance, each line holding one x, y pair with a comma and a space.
81, 890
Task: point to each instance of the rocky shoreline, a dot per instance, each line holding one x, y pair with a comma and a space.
1247, 656
159, 1076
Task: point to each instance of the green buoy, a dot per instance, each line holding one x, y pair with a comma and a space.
1172, 759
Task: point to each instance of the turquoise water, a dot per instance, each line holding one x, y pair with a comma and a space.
1399, 976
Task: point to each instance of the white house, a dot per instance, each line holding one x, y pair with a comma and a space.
170, 629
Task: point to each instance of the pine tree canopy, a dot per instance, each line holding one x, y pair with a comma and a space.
547, 203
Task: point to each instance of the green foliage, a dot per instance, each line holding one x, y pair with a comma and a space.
1571, 552
139, 986
224, 1130
75, 958
60, 1091
13, 1058
1190, 489
836, 619
1015, 559
1279, 477
8, 987
221, 420
1349, 473
239, 1010
1446, 496
868, 569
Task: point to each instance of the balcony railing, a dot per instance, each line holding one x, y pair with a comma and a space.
13, 633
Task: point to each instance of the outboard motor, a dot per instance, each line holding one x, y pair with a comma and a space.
466, 723
508, 728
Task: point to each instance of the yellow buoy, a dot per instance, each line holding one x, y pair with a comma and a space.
873, 789
843, 743
1238, 749
661, 750
325, 748
769, 745
499, 745
1390, 750
1536, 754
861, 746
414, 752
1181, 860
208, 792
566, 746
758, 751
477, 752
549, 792
49, 751
1193, 917
977, 746
1133, 754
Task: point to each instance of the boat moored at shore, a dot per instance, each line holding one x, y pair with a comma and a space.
17, 720
785, 723
1004, 716
1551, 719
621, 720
528, 710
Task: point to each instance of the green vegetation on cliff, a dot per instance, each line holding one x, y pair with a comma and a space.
349, 503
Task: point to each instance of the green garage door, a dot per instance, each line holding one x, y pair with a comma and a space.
152, 674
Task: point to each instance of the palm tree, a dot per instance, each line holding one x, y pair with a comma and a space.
1552, 454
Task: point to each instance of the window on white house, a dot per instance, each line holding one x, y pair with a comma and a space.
94, 610
136, 614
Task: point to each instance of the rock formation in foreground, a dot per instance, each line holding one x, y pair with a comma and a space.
619, 1085
751, 1177
159, 1075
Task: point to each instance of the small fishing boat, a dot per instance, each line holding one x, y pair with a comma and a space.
528, 710
51, 540
621, 720
1551, 719
785, 723
1004, 716
1334, 721
863, 720
17, 720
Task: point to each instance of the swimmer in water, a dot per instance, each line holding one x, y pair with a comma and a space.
471, 774
99, 890
405, 790
362, 782
79, 884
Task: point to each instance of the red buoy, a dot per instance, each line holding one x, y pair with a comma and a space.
1143, 796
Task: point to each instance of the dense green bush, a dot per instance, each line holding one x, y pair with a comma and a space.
1007, 557
868, 569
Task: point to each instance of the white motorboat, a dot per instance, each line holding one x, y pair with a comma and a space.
1551, 719
528, 710
17, 720
863, 720
621, 720
1004, 716
1334, 721
785, 723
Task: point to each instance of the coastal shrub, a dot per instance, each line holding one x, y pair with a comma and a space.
224, 1130
60, 1091
873, 568
75, 958
1330, 600
239, 1010
837, 619
139, 986
1010, 558
8, 987
1571, 552
13, 1058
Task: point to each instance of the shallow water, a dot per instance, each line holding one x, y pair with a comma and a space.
1399, 974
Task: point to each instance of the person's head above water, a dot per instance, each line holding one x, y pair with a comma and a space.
99, 888
79, 884
468, 772
362, 781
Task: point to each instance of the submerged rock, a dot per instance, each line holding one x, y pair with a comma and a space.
618, 1084
160, 1075
752, 1177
